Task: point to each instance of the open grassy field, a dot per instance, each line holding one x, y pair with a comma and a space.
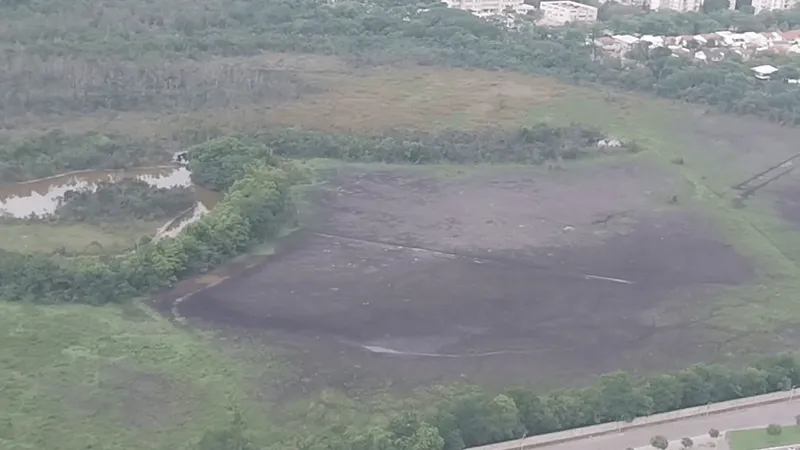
405, 276
77, 237
758, 439
115, 378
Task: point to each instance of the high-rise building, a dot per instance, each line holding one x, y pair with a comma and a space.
483, 8
676, 5
564, 11
769, 5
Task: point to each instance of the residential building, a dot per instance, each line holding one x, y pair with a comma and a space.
764, 72
565, 11
485, 8
676, 5
769, 5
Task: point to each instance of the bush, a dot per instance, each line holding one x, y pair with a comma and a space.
774, 430
122, 201
714, 433
659, 442
218, 163
687, 442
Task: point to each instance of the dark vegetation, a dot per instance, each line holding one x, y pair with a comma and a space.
56, 152
457, 417
253, 209
122, 201
101, 58
672, 23
527, 145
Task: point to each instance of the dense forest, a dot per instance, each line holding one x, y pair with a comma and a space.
102, 58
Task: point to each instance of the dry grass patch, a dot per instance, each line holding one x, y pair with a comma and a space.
419, 98
347, 100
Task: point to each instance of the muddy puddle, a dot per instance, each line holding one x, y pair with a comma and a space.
40, 198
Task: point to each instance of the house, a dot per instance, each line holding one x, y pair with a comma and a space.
791, 36
700, 56
561, 12
764, 72
655, 41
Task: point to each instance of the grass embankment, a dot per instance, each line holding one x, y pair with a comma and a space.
758, 439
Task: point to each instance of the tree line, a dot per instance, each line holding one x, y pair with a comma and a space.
469, 416
253, 209
460, 416
535, 144
56, 152
124, 200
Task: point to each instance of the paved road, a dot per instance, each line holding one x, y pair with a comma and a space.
756, 417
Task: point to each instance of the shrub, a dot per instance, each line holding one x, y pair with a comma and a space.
774, 430
659, 442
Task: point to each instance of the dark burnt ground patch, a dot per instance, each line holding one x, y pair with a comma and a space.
503, 277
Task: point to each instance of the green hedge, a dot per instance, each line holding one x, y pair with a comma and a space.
253, 209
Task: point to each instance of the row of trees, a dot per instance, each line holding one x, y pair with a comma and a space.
123, 201
526, 145
465, 416
253, 209
56, 152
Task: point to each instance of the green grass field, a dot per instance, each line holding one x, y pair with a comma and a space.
758, 439
73, 237
77, 377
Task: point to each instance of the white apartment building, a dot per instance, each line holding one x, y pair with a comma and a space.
564, 11
676, 5
485, 8
769, 5
637, 3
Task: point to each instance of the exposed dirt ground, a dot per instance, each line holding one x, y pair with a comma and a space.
499, 277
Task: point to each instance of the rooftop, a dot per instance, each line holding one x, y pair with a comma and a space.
765, 69
566, 4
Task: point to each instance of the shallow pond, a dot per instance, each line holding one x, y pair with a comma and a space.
41, 197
